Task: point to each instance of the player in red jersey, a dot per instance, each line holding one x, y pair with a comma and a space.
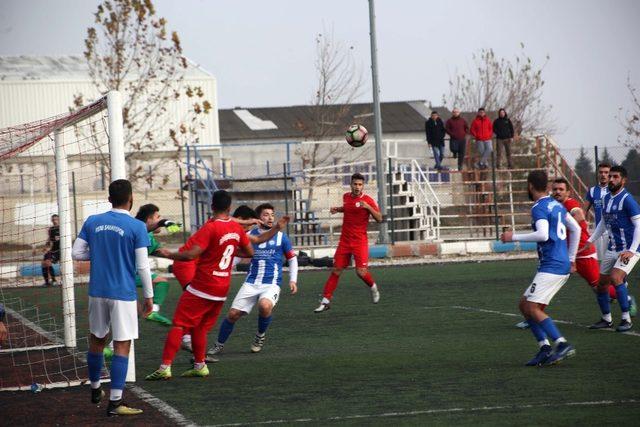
356, 207
184, 271
586, 258
215, 245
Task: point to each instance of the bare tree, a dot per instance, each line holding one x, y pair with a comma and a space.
339, 84
630, 120
131, 50
494, 83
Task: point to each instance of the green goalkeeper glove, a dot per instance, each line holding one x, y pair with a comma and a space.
171, 226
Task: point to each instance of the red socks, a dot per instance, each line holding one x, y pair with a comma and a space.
368, 279
330, 286
172, 345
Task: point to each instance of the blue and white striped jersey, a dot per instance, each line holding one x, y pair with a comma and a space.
552, 254
595, 196
266, 264
618, 211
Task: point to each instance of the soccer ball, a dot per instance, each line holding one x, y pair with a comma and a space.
356, 135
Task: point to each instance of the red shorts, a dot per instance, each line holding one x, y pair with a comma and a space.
589, 269
194, 311
184, 271
360, 252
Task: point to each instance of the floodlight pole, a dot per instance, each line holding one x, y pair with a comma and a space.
383, 235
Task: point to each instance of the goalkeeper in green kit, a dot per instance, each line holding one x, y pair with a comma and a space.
150, 215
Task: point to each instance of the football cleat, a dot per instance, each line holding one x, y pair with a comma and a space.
601, 324
523, 325
118, 407
159, 374
97, 394
375, 294
624, 326
54, 283
633, 307
541, 356
196, 373
157, 317
216, 349
563, 351
258, 343
322, 307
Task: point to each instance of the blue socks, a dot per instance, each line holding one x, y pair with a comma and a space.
263, 324
226, 328
537, 330
119, 365
603, 302
550, 328
623, 297
95, 361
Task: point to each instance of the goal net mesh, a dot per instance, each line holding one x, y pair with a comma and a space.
31, 287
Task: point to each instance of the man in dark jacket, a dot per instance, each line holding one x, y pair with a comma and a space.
457, 129
435, 131
503, 128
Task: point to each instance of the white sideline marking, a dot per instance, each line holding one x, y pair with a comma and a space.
436, 411
563, 322
163, 407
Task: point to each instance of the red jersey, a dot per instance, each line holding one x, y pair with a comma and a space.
219, 240
185, 270
570, 204
356, 218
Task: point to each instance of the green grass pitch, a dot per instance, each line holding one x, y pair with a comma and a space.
439, 349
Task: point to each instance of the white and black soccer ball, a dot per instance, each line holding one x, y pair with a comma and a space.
356, 135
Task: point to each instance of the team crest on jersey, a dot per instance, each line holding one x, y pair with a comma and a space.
357, 204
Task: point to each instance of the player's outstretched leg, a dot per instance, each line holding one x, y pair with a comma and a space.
329, 288
602, 295
226, 328
171, 346
199, 341
265, 308
366, 277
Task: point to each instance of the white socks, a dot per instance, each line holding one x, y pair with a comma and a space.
115, 394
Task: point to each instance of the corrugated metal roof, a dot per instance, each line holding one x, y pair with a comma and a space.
295, 122
56, 68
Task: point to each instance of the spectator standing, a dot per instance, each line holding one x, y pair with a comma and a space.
503, 128
435, 131
482, 131
457, 129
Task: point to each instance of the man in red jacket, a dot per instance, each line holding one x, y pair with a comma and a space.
482, 131
457, 129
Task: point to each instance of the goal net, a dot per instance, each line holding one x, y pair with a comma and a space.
53, 174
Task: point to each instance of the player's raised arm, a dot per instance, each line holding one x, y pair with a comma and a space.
263, 237
373, 210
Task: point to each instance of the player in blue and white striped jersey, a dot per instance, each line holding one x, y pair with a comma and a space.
262, 285
621, 220
594, 198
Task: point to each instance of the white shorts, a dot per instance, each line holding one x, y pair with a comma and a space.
119, 316
249, 295
544, 287
612, 260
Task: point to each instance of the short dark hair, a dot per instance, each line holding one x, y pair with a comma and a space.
561, 181
119, 192
54, 216
538, 179
480, 109
357, 175
220, 201
264, 206
604, 165
146, 211
620, 169
434, 112
244, 212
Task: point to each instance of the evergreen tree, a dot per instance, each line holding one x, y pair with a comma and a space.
584, 168
632, 164
605, 157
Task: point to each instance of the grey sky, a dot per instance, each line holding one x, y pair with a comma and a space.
262, 52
